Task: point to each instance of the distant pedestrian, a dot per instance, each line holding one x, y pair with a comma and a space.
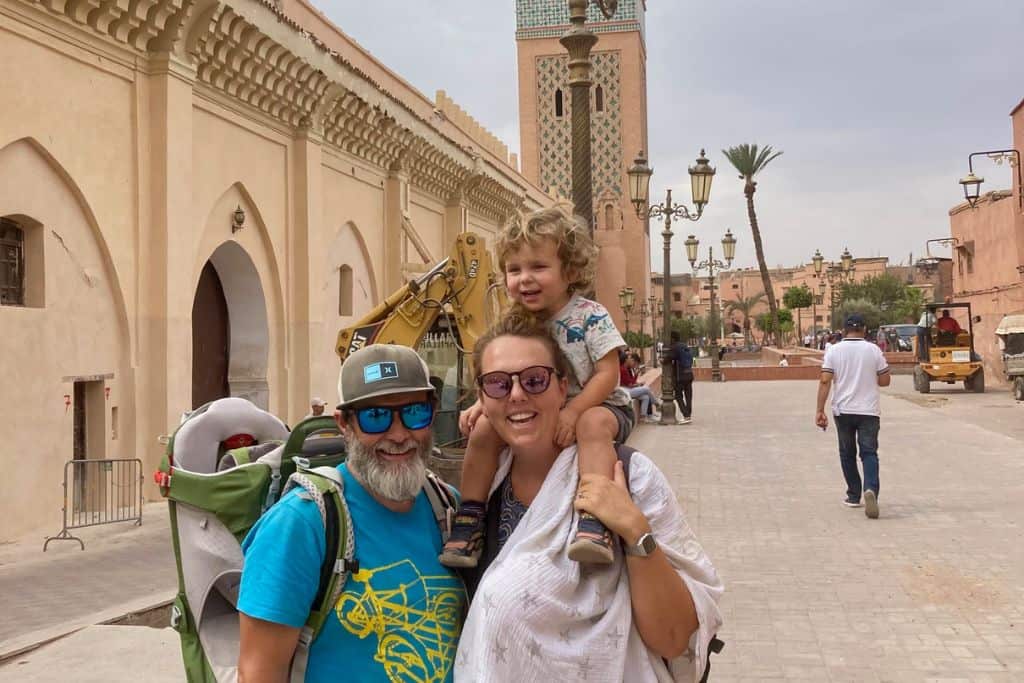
784, 363
924, 337
316, 407
682, 364
854, 369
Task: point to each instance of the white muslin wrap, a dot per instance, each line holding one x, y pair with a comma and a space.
539, 616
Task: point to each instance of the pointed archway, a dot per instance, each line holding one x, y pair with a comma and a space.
230, 334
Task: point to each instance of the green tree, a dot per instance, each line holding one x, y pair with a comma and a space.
873, 314
638, 340
746, 306
689, 329
798, 298
896, 301
765, 323
749, 161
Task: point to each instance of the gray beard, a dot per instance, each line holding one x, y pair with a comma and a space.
391, 481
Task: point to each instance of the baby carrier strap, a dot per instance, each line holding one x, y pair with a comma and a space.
325, 487
442, 502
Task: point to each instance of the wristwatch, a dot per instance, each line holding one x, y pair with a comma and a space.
645, 545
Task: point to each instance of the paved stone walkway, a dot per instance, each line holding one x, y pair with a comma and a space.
931, 591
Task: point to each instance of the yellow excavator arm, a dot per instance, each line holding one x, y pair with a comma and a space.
463, 287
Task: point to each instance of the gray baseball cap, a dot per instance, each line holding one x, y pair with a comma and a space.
381, 370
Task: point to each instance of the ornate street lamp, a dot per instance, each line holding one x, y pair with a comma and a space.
972, 183
626, 299
837, 274
819, 261
701, 175
579, 40
729, 252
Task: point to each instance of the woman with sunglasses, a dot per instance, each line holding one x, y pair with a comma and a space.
537, 615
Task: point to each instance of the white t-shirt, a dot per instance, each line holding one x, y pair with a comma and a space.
586, 334
855, 365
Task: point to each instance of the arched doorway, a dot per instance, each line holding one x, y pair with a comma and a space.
230, 334
210, 339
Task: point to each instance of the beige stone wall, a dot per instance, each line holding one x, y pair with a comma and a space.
125, 155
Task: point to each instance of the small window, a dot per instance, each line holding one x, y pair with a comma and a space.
609, 217
559, 107
345, 290
676, 296
599, 99
12, 264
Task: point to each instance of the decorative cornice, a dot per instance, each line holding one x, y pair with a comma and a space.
255, 54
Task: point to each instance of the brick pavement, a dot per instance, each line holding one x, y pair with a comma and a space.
66, 588
931, 591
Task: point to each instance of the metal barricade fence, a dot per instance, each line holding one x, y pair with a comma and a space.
100, 492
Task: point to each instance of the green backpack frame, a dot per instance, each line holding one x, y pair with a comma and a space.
211, 513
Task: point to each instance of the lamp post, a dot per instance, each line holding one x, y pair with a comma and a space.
710, 264
579, 40
626, 299
836, 274
643, 317
972, 183
652, 306
818, 260
701, 175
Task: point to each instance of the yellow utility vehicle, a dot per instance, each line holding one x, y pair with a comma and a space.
442, 313
949, 354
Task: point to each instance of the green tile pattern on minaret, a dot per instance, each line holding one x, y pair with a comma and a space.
555, 143
549, 18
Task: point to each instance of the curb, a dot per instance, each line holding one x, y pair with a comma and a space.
13, 647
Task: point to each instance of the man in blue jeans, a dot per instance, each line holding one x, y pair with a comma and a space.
854, 369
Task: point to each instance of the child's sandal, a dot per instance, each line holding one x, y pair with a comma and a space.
592, 543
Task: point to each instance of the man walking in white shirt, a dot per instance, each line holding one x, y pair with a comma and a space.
854, 369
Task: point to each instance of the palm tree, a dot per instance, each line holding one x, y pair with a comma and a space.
746, 307
749, 161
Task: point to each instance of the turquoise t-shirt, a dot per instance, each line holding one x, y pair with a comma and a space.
400, 615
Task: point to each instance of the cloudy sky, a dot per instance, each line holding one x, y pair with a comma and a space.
875, 103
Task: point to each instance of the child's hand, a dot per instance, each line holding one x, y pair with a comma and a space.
565, 435
469, 416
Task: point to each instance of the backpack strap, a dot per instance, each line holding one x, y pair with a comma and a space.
442, 502
325, 487
625, 456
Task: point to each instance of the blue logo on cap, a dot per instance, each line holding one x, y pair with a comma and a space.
380, 371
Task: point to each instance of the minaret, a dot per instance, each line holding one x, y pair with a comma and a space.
618, 120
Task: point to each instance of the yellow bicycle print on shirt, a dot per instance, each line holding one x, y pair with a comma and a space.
415, 619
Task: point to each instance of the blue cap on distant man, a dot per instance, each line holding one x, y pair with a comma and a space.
855, 321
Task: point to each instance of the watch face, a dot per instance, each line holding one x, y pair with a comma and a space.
648, 544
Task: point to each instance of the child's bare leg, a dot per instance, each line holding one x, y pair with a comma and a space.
479, 464
595, 436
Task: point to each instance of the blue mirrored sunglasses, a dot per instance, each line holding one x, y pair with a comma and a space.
378, 419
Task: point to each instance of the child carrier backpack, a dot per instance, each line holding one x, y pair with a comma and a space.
227, 463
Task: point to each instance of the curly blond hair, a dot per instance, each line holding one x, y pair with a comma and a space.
576, 249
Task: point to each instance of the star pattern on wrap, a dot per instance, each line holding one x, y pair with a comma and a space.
564, 635
499, 652
585, 667
614, 637
530, 600
533, 648
489, 603
463, 656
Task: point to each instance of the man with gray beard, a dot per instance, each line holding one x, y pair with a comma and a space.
400, 592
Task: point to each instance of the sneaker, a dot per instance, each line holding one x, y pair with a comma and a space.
683, 420
851, 503
871, 504
466, 543
651, 420
592, 543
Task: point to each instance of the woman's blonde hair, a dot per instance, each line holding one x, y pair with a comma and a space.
576, 249
519, 322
